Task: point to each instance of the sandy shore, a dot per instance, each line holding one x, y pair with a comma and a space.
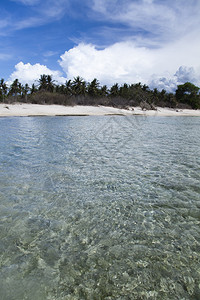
23, 109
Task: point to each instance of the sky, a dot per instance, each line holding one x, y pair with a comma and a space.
155, 42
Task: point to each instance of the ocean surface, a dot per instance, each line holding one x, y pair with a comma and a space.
103, 207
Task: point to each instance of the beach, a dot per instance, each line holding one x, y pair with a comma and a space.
28, 110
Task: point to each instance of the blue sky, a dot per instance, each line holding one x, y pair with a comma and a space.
150, 41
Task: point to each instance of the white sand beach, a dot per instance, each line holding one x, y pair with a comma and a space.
28, 110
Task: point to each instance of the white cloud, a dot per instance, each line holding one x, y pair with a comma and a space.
126, 62
27, 73
155, 21
164, 83
50, 53
39, 12
30, 22
182, 75
121, 62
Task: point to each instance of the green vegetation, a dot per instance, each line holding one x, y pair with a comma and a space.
188, 93
81, 92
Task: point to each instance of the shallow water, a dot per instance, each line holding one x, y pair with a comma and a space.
99, 208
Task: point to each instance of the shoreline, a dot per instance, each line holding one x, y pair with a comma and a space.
35, 110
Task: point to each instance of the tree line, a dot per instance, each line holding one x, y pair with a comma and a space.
80, 92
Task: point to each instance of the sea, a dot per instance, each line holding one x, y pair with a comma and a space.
100, 207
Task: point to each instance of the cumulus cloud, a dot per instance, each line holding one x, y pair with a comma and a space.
182, 75
126, 62
121, 62
27, 73
164, 83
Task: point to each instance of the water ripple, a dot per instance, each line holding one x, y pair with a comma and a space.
99, 208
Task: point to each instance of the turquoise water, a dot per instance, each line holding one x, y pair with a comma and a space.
99, 208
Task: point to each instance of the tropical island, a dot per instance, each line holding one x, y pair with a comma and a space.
78, 97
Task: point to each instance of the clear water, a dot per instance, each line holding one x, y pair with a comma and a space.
99, 208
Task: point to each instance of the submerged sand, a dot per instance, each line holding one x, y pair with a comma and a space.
26, 110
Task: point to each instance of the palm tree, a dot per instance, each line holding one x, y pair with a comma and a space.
124, 91
25, 90
145, 87
15, 88
68, 87
114, 90
43, 82
50, 84
93, 88
33, 89
3, 89
20, 87
78, 86
46, 83
104, 91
